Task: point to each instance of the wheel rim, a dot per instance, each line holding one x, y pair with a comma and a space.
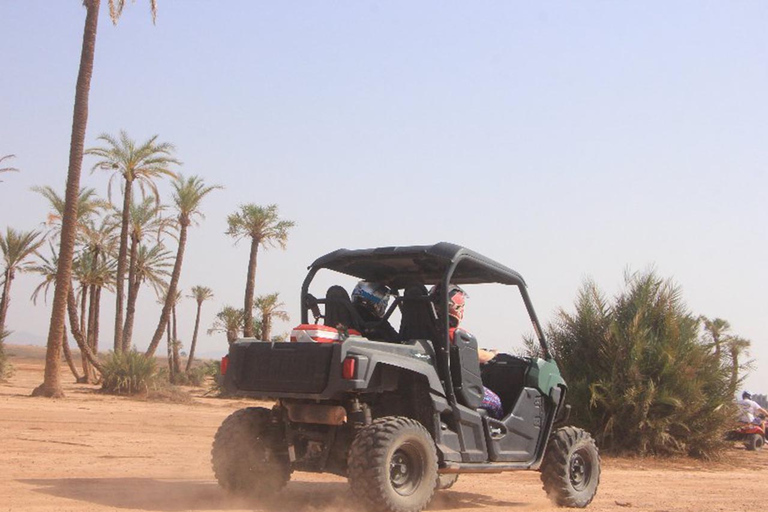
406, 468
580, 470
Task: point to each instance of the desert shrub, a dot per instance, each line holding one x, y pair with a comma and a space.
639, 377
194, 377
163, 391
129, 373
213, 370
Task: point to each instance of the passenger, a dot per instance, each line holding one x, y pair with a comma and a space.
370, 301
457, 299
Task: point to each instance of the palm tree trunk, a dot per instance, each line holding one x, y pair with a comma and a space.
83, 317
194, 336
6, 298
170, 293
51, 386
68, 357
89, 338
91, 315
86, 379
84, 309
176, 343
122, 259
133, 290
78, 335
130, 315
250, 284
95, 340
266, 327
169, 351
734, 371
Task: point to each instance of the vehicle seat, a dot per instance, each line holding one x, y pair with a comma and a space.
465, 369
505, 375
419, 320
339, 309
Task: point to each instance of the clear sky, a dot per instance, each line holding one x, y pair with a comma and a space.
564, 139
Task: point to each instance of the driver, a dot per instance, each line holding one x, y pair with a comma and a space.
749, 409
370, 301
457, 299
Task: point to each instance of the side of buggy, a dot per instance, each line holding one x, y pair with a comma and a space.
399, 419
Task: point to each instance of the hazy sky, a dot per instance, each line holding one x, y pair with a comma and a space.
565, 139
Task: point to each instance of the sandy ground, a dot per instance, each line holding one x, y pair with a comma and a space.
91, 452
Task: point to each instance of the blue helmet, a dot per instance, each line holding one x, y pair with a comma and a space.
374, 297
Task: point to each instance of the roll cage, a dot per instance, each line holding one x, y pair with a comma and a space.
431, 265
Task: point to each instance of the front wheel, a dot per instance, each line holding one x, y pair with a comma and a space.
570, 471
393, 465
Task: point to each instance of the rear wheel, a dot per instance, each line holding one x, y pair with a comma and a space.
754, 442
570, 471
249, 455
393, 465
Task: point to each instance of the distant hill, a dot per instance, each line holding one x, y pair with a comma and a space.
26, 338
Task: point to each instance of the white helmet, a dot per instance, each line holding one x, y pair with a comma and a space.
372, 296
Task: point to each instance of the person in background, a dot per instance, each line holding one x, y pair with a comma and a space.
370, 300
749, 409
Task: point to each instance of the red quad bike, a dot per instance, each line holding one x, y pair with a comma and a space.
751, 434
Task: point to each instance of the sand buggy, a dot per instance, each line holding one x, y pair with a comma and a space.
399, 419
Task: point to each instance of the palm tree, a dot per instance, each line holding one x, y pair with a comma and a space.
17, 247
47, 269
229, 321
88, 204
265, 229
94, 273
188, 193
145, 217
200, 294
140, 163
737, 347
172, 341
51, 385
717, 328
7, 169
269, 306
152, 264
175, 335
99, 241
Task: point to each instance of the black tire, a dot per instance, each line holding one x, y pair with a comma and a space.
393, 465
754, 442
249, 456
446, 481
570, 470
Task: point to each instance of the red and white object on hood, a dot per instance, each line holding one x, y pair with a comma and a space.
315, 333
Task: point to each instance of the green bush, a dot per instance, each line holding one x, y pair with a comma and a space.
213, 370
639, 377
128, 373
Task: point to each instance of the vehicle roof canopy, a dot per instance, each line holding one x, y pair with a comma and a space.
398, 267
